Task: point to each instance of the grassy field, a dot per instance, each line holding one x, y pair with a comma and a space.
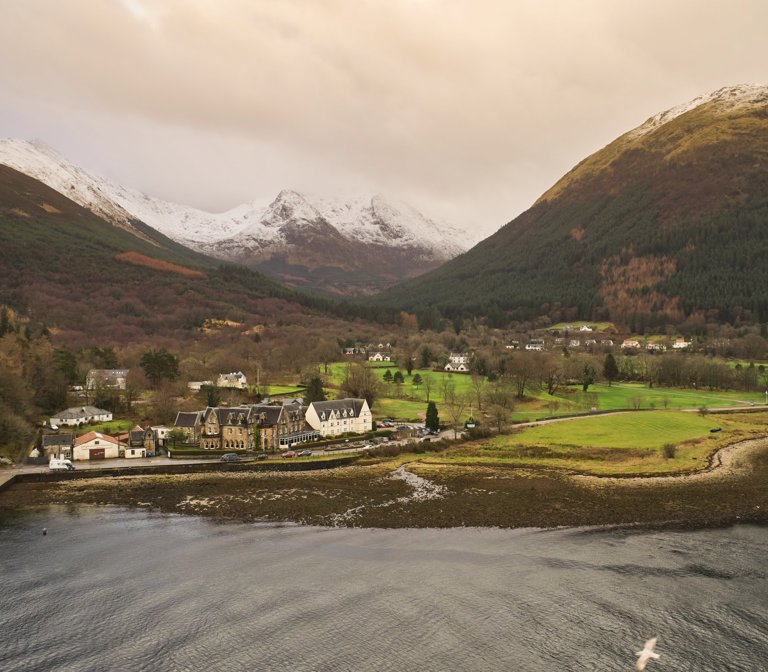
635, 395
625, 443
411, 401
283, 390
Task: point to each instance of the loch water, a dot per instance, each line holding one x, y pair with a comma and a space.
113, 590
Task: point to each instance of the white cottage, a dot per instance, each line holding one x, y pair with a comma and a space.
80, 415
235, 379
341, 416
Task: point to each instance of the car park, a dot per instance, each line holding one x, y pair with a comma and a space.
230, 457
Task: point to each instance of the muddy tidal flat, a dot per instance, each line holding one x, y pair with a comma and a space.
411, 494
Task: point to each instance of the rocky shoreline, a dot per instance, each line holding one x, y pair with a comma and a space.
391, 495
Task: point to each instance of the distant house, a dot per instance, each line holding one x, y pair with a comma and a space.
630, 343
236, 380
535, 344
80, 415
458, 362
58, 445
341, 416
607, 343
197, 385
95, 446
680, 344
512, 345
574, 343
379, 357
114, 379
656, 347
585, 328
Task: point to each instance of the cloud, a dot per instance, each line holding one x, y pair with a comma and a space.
471, 108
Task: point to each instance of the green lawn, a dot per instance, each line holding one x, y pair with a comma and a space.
648, 431
630, 395
283, 390
624, 443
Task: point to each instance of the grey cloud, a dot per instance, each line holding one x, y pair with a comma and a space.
472, 108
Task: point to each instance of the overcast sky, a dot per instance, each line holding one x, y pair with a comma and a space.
469, 109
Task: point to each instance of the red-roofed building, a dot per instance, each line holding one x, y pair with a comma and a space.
96, 446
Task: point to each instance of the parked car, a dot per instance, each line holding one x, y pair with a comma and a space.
261, 456
288, 453
60, 464
230, 457
304, 453
402, 428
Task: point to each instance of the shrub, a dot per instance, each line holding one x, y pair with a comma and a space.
669, 450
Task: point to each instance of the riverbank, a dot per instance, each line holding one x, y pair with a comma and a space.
402, 493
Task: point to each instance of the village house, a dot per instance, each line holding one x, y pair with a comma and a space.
188, 422
512, 345
197, 385
458, 362
80, 415
58, 445
680, 344
227, 428
236, 380
283, 426
113, 379
155, 438
630, 343
656, 347
379, 357
342, 416
96, 446
262, 427
535, 344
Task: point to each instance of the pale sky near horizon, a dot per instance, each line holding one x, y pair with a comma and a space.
468, 109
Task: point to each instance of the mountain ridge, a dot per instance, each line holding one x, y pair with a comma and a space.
660, 226
259, 235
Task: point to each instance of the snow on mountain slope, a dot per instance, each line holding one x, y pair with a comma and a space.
45, 165
728, 97
370, 220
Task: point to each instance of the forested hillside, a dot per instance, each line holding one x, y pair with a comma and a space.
666, 224
91, 282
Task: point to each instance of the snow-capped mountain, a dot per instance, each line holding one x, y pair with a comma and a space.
371, 220
386, 236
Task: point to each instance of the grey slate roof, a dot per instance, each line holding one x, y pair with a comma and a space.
187, 418
79, 412
50, 440
350, 407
